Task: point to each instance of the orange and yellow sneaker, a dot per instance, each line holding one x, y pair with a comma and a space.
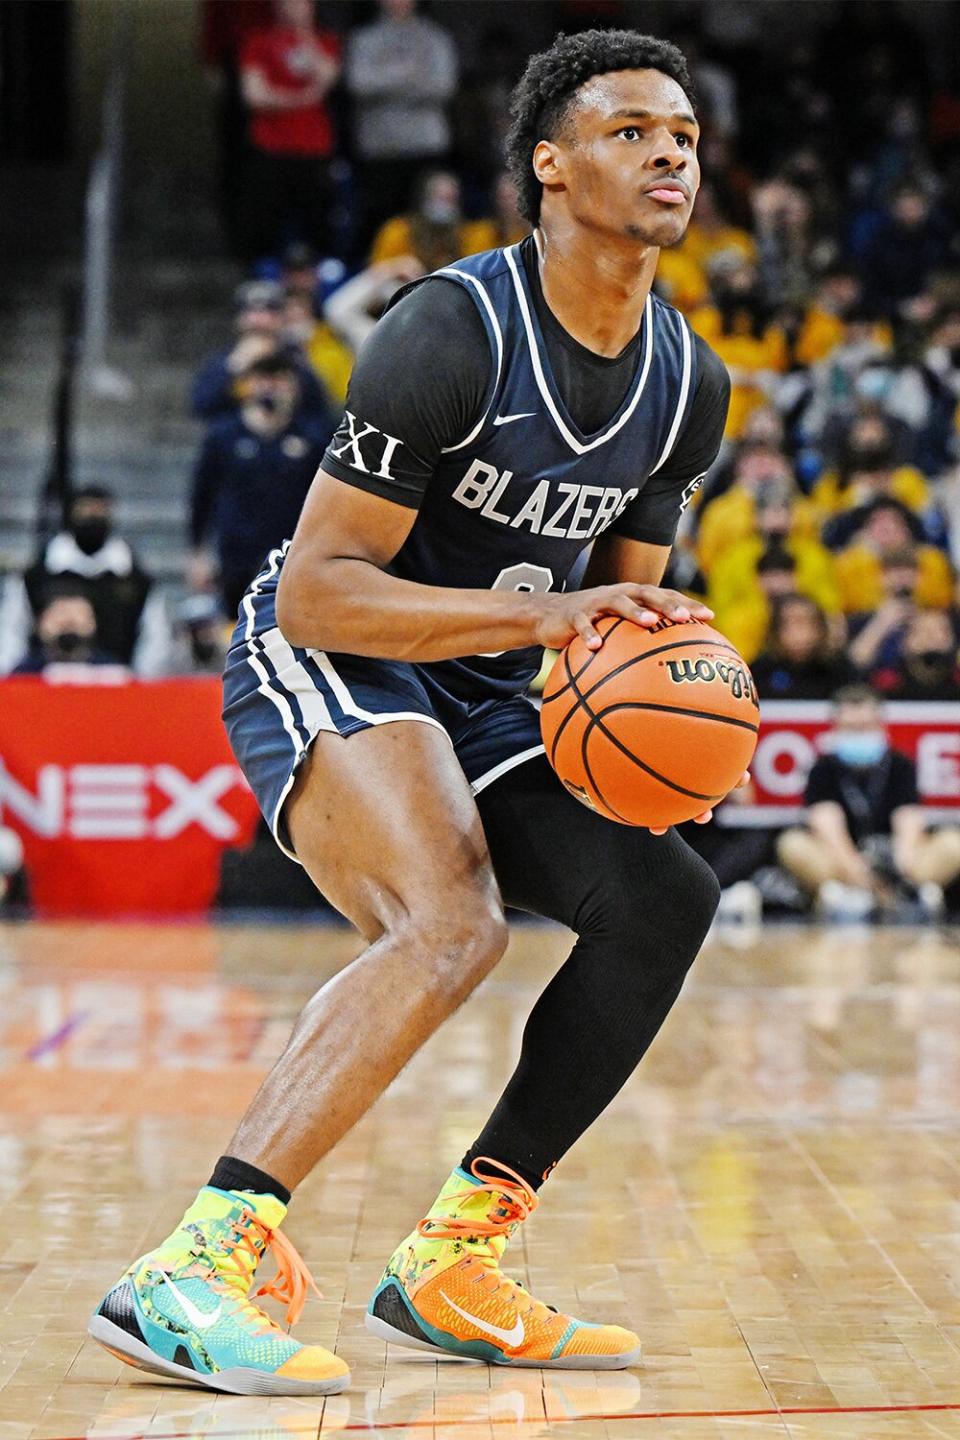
443, 1289
185, 1310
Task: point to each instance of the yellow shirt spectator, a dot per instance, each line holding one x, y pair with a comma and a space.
859, 574
748, 356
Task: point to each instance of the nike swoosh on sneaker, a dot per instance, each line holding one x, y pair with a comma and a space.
203, 1319
508, 419
513, 1337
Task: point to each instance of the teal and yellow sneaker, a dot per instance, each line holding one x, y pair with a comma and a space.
184, 1310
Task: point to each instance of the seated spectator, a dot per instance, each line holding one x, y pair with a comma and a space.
732, 517
286, 72
355, 307
434, 231
99, 564
65, 634
929, 667
506, 226
886, 527
259, 324
823, 328
682, 270
910, 245
824, 398
865, 836
800, 659
326, 354
745, 623
783, 217
739, 327
877, 635
868, 469
735, 592
763, 431
251, 478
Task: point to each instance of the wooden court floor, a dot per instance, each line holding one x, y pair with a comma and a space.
773, 1202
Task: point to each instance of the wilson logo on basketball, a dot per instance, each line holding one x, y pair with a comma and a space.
739, 680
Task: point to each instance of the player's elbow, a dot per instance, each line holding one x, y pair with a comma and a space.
299, 601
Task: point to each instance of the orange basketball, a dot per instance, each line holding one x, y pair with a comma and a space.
655, 726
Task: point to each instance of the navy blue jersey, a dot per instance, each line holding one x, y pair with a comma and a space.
513, 501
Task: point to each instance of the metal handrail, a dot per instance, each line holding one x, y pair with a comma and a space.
100, 216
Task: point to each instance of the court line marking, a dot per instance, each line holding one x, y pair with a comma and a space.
366, 1427
47, 1044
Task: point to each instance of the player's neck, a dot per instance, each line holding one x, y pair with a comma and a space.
596, 293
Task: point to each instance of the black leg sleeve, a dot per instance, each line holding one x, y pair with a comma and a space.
640, 905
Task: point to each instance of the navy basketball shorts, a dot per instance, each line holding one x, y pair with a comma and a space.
278, 697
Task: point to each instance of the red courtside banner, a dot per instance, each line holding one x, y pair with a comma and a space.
124, 794
794, 732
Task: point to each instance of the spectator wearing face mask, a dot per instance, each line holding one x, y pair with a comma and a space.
65, 634
732, 516
738, 325
885, 527
865, 832
876, 637
867, 471
736, 592
929, 667
800, 659
251, 479
98, 563
433, 232
259, 325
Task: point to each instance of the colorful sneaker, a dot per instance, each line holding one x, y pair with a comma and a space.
444, 1291
184, 1310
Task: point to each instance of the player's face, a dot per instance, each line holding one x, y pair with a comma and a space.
628, 163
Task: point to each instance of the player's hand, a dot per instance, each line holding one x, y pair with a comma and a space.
565, 616
706, 815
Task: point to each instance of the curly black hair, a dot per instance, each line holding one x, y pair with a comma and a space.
544, 92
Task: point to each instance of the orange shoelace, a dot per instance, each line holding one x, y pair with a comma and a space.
292, 1280
517, 1202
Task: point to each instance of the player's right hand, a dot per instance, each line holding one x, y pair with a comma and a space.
565, 616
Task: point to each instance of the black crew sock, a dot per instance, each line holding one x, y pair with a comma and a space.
232, 1174
476, 1152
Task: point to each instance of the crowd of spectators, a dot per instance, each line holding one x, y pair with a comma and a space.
822, 264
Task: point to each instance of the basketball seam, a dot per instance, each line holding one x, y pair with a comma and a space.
641, 765
676, 710
582, 704
563, 690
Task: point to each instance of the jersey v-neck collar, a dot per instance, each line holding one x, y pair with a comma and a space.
579, 442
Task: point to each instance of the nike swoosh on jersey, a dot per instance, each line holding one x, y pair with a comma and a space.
508, 419
202, 1319
513, 1337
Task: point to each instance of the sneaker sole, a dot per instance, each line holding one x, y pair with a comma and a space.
393, 1336
239, 1381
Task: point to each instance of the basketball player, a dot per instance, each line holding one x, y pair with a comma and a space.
507, 412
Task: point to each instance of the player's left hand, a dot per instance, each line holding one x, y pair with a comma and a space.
654, 602
706, 815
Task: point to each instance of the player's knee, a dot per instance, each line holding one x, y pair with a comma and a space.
460, 938
670, 893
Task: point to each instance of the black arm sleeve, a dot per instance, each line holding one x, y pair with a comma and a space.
419, 384
655, 514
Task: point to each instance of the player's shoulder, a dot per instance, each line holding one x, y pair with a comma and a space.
448, 289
